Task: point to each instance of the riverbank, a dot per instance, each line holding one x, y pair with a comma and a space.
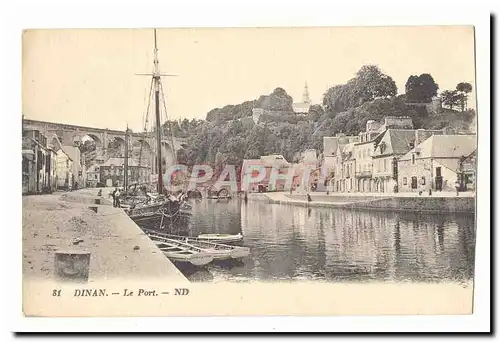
437, 202
65, 221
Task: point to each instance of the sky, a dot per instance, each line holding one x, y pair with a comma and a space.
88, 77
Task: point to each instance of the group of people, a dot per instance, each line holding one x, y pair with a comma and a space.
116, 198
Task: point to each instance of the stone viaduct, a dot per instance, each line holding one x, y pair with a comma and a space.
103, 137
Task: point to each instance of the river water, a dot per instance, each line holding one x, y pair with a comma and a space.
293, 243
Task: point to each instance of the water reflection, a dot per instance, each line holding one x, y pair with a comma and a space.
299, 243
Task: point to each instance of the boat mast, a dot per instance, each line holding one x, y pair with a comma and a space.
156, 78
156, 83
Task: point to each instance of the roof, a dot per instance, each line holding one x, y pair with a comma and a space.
400, 140
63, 151
71, 151
274, 160
445, 146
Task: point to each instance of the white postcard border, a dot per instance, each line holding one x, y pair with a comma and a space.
304, 13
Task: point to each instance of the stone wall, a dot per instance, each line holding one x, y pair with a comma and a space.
419, 204
407, 170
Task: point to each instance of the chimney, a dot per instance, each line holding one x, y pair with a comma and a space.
421, 135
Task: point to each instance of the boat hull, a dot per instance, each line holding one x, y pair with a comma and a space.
217, 250
157, 221
220, 238
194, 259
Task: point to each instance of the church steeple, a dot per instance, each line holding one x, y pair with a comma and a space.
305, 95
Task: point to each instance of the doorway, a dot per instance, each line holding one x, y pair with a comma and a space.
439, 179
413, 182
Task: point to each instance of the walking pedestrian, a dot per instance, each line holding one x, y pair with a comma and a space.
113, 194
457, 186
117, 196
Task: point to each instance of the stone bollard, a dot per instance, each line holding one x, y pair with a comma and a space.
72, 265
94, 209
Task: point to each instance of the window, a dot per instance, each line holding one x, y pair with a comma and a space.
405, 181
422, 181
413, 159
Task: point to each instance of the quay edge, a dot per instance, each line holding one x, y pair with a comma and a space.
118, 248
417, 203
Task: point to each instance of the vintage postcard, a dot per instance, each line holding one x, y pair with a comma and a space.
249, 171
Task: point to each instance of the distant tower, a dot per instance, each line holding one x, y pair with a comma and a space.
305, 95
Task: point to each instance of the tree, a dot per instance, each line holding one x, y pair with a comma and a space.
315, 112
369, 84
278, 100
451, 98
420, 89
87, 146
464, 89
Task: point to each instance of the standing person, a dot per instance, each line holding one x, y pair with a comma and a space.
113, 194
457, 186
117, 197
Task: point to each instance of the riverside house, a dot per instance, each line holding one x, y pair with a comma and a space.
64, 169
394, 144
369, 163
250, 168
332, 151
93, 176
112, 172
78, 166
38, 163
437, 163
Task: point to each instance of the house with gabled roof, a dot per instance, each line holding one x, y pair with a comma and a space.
393, 145
438, 163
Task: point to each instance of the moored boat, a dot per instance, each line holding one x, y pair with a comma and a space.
157, 209
220, 251
221, 237
178, 251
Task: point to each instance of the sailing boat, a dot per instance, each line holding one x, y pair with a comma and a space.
162, 210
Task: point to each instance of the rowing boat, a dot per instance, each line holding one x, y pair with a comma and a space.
218, 250
221, 237
181, 252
